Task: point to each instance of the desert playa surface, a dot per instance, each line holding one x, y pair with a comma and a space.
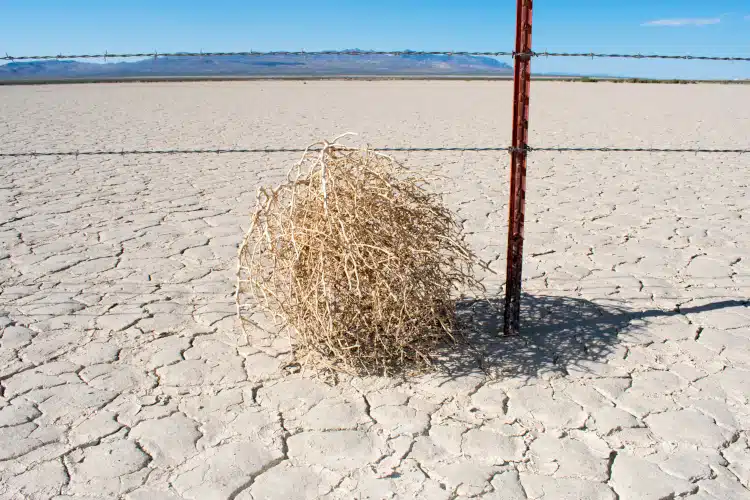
123, 373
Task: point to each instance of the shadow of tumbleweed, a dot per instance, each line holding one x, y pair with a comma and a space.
558, 335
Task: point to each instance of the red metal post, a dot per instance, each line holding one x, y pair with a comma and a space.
521, 88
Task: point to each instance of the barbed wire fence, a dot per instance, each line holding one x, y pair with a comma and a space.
515, 55
522, 56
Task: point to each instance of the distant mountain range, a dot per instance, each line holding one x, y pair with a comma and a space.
283, 65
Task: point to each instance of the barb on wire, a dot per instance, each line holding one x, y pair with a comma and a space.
156, 54
634, 56
390, 149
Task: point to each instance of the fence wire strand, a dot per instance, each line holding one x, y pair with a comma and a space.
594, 55
125, 152
637, 150
528, 149
106, 55
156, 54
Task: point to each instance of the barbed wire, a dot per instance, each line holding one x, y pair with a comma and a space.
357, 52
353, 52
228, 151
594, 55
635, 150
528, 149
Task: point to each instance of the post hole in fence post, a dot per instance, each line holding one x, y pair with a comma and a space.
517, 202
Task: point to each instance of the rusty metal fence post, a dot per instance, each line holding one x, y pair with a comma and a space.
521, 88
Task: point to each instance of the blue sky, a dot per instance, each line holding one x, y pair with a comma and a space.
669, 26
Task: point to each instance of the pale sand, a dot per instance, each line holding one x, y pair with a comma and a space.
122, 370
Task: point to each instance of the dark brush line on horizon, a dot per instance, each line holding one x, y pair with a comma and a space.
357, 52
363, 77
390, 149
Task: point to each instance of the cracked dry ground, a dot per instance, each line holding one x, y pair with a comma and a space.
123, 375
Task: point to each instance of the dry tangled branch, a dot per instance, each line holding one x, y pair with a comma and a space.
358, 259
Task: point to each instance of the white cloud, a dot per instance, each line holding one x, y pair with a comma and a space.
695, 21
